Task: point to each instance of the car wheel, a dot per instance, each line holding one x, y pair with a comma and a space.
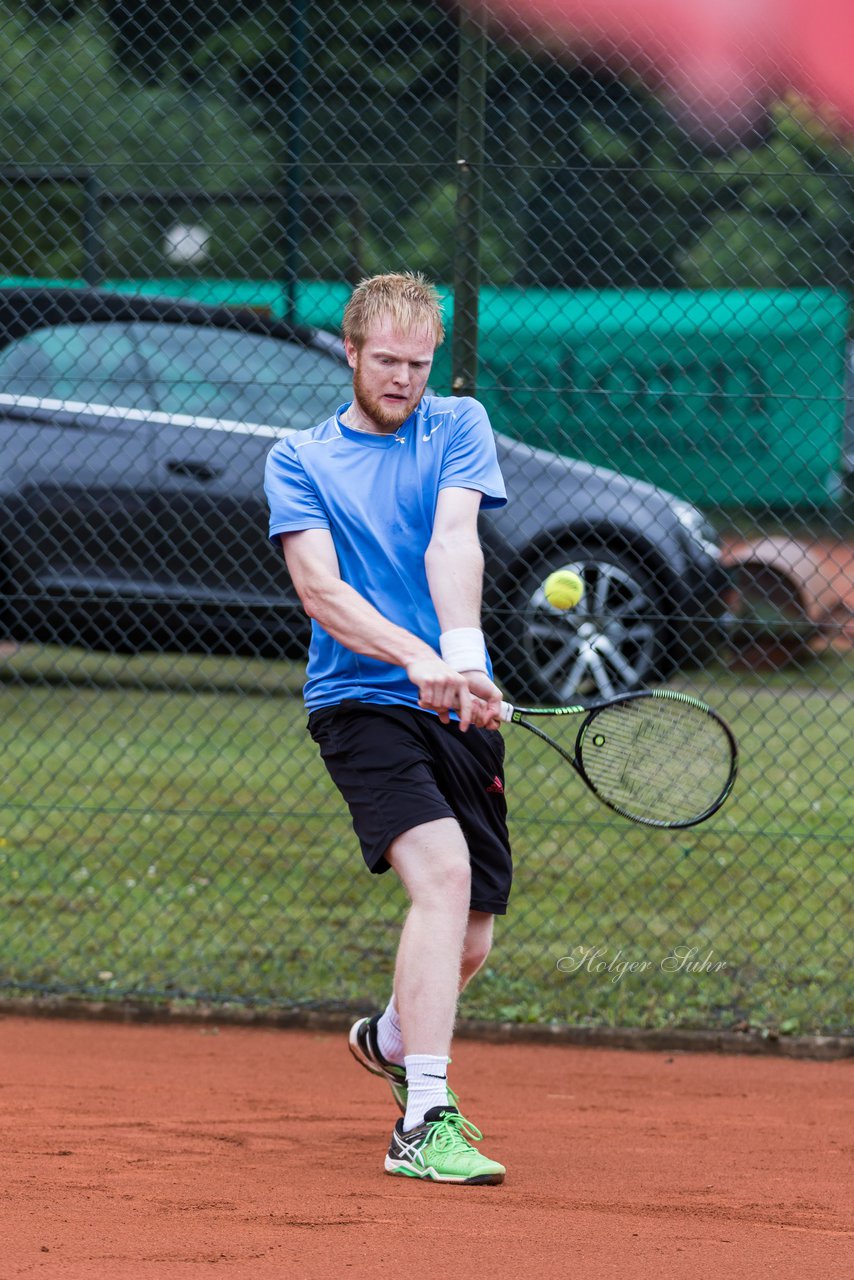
613, 640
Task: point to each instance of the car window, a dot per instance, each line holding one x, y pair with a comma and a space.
220, 373
88, 363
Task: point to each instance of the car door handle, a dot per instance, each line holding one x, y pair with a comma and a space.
195, 470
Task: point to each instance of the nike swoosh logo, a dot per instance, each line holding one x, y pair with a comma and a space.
432, 431
432, 1077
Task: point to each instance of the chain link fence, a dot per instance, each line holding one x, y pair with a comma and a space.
657, 321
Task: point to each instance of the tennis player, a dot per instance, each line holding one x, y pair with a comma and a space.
376, 510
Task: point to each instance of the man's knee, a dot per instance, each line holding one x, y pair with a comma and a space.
478, 941
433, 862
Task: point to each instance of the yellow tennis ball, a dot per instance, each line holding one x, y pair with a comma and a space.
563, 589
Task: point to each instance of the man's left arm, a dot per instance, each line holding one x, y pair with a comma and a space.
454, 565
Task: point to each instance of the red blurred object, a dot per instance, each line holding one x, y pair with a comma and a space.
719, 59
820, 48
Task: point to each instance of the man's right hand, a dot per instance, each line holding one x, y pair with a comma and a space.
486, 713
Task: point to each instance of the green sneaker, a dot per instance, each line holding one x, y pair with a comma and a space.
441, 1150
366, 1051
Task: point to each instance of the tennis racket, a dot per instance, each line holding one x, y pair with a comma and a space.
657, 757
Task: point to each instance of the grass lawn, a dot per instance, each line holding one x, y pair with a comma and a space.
166, 828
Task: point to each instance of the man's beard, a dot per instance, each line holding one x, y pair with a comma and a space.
383, 415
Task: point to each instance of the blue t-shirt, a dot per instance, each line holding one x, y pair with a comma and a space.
377, 494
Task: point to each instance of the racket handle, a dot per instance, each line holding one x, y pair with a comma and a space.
506, 712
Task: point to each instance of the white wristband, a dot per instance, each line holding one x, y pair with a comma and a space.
463, 649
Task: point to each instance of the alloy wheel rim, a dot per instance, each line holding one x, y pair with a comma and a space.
606, 644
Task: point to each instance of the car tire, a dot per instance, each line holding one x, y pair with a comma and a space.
612, 642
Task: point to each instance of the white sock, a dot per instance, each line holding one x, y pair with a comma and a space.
426, 1085
389, 1035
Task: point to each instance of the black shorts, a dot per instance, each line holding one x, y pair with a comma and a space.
398, 768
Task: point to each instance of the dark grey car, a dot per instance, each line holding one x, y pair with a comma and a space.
134, 432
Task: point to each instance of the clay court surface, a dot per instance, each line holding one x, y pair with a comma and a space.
156, 1151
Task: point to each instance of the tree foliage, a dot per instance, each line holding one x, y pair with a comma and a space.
787, 218
65, 104
587, 181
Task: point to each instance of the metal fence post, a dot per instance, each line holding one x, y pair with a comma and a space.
92, 232
471, 97
293, 172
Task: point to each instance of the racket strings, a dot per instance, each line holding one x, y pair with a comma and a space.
657, 762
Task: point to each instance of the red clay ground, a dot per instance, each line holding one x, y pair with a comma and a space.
168, 1152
